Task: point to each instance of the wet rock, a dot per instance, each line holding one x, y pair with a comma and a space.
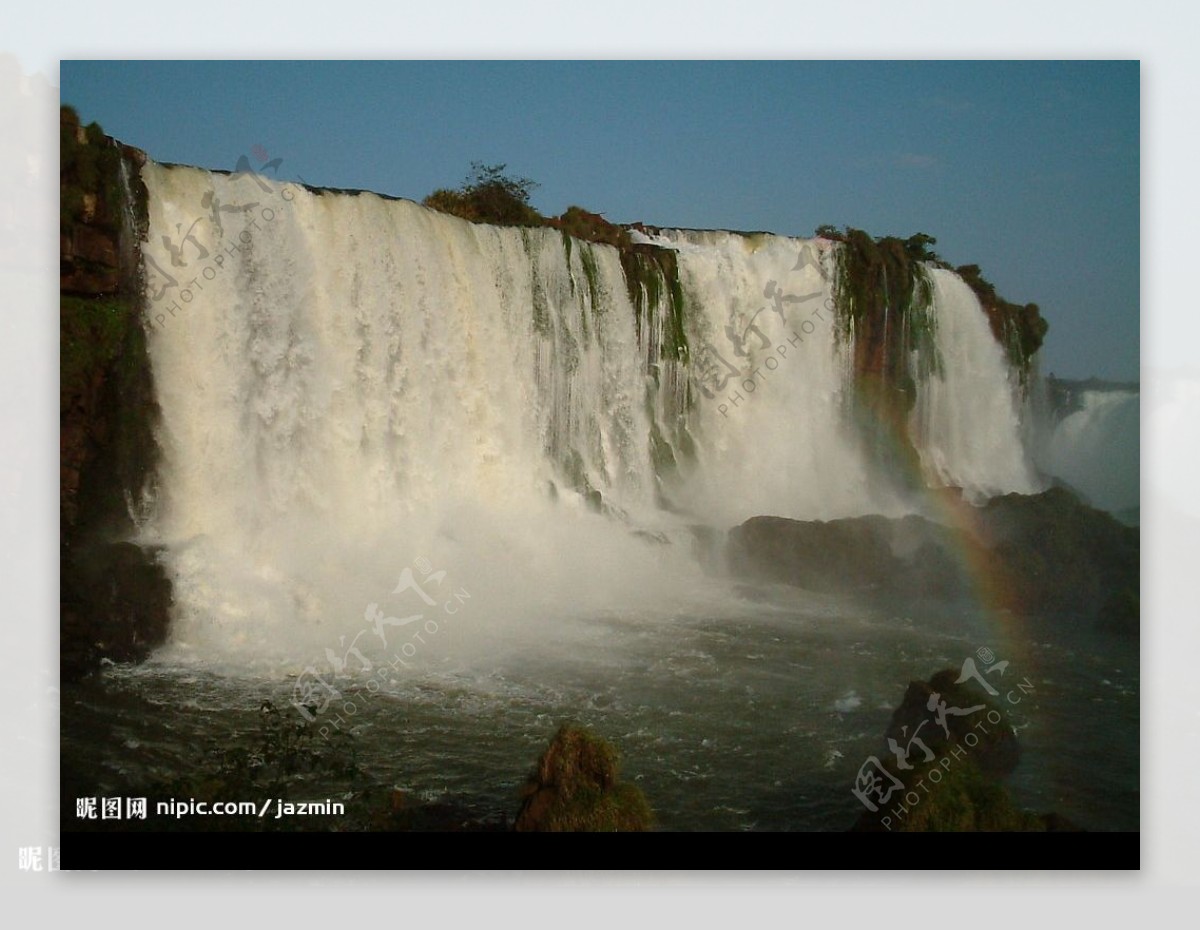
941, 764
116, 602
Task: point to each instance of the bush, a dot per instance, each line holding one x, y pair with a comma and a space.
488, 195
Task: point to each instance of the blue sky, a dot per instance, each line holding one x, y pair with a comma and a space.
1028, 169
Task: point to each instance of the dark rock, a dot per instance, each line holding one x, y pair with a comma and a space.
1047, 555
931, 776
116, 602
1054, 555
92, 245
996, 753
964, 800
115, 596
862, 555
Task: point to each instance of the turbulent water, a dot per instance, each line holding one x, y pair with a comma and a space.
455, 470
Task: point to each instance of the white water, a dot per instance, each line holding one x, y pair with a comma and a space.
773, 437
359, 383
1096, 449
967, 423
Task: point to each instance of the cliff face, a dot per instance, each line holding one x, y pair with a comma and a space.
114, 595
884, 298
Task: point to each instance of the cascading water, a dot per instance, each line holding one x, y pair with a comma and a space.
967, 423
365, 402
1095, 449
770, 384
348, 382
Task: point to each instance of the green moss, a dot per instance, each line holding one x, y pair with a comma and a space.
590, 271
106, 387
883, 298
964, 800
661, 453
883, 307
1020, 329
883, 294
652, 273
587, 261
92, 333
542, 324
920, 328
575, 787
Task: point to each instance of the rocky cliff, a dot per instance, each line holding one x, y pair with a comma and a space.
114, 594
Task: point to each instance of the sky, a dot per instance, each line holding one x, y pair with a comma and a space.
1029, 169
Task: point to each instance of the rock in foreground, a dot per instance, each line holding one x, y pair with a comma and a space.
575, 788
946, 748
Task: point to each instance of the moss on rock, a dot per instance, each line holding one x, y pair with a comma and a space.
575, 788
956, 787
115, 596
1019, 328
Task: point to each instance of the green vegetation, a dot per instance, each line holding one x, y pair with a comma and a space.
115, 597
883, 303
107, 408
883, 307
957, 788
876, 275
963, 800
106, 397
488, 195
575, 788
1020, 329
652, 274
92, 334
89, 175
591, 272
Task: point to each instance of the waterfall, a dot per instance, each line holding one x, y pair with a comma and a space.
967, 421
1095, 449
349, 382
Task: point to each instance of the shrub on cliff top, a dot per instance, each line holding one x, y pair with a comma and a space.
488, 195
